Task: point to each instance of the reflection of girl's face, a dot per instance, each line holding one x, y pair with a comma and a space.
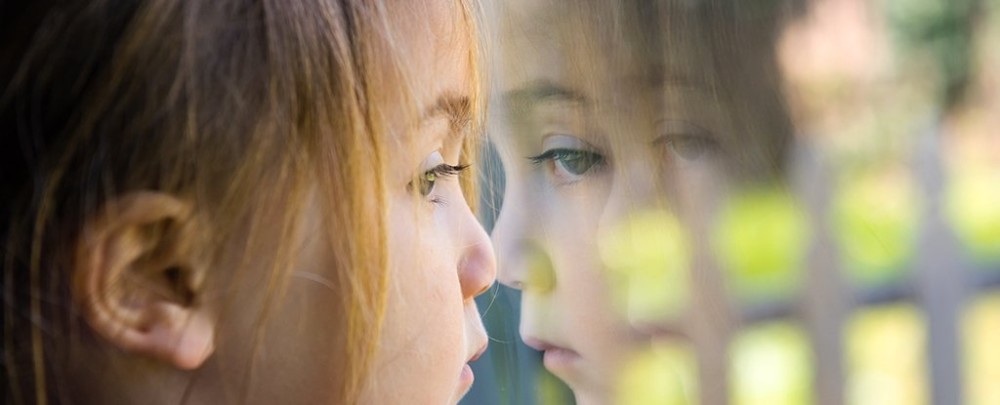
585, 145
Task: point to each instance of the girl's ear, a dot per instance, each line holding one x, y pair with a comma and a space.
138, 280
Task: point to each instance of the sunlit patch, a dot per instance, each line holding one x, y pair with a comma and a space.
973, 206
761, 240
886, 361
540, 275
876, 220
772, 364
663, 374
647, 257
551, 391
981, 332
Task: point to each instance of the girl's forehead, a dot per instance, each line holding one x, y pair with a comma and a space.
434, 67
433, 44
441, 28
601, 48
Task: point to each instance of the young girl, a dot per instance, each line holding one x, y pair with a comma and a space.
236, 201
612, 115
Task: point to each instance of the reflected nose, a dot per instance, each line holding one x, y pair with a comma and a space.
477, 267
512, 272
524, 263
518, 234
507, 242
527, 268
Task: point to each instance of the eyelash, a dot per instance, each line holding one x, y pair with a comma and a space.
565, 154
432, 176
563, 164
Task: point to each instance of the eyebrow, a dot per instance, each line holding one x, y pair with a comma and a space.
457, 108
660, 76
543, 90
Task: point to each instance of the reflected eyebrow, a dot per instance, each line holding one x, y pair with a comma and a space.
543, 90
660, 77
457, 108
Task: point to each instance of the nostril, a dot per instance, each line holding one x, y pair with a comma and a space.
526, 265
515, 284
484, 290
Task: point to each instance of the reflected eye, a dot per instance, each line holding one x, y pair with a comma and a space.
425, 182
692, 147
572, 162
687, 141
567, 159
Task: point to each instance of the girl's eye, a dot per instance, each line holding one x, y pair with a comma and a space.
686, 141
571, 163
692, 147
425, 182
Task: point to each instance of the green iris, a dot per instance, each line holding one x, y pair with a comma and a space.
575, 161
426, 183
426, 180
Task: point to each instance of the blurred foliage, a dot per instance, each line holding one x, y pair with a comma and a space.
876, 216
761, 239
981, 333
973, 206
647, 257
886, 361
936, 35
552, 391
662, 375
772, 364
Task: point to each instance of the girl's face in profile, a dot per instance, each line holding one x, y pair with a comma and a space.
439, 256
588, 143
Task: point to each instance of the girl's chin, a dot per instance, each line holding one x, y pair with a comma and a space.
592, 399
591, 395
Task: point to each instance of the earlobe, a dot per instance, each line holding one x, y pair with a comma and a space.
173, 335
138, 281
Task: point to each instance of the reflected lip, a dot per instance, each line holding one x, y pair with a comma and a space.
561, 361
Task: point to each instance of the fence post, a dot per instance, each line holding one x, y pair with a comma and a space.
825, 296
940, 275
710, 320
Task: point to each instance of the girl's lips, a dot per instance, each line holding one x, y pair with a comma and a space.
559, 360
467, 377
465, 380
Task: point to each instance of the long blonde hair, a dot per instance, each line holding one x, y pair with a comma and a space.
208, 100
